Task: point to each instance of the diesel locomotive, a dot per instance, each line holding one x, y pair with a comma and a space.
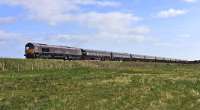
44, 51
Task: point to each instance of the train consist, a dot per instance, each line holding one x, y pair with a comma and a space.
37, 50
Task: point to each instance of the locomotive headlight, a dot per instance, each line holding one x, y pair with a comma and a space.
27, 48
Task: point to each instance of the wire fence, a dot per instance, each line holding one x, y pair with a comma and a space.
18, 65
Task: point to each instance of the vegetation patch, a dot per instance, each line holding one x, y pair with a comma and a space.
94, 85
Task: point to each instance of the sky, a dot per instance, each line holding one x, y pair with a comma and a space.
167, 28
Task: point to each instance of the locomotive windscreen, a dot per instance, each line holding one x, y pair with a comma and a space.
29, 46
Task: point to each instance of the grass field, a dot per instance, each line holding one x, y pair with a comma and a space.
93, 85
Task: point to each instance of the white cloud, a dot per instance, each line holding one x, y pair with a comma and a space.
50, 11
12, 44
6, 36
117, 26
112, 22
93, 40
7, 20
189, 1
171, 13
56, 11
109, 27
184, 36
99, 3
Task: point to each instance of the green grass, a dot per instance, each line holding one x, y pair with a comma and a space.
93, 85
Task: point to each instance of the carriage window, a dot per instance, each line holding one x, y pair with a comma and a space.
45, 49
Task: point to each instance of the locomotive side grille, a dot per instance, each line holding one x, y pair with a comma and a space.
45, 50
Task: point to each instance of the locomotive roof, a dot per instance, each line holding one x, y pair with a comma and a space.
56, 46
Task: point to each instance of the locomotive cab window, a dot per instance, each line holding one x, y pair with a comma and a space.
45, 49
29, 46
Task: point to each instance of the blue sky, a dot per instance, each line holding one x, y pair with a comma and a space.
167, 28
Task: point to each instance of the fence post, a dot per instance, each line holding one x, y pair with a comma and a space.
3, 69
32, 67
18, 67
38, 66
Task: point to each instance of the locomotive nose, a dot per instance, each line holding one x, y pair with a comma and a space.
29, 50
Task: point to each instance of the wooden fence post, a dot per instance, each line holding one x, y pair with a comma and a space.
3, 69
18, 67
32, 67
38, 66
